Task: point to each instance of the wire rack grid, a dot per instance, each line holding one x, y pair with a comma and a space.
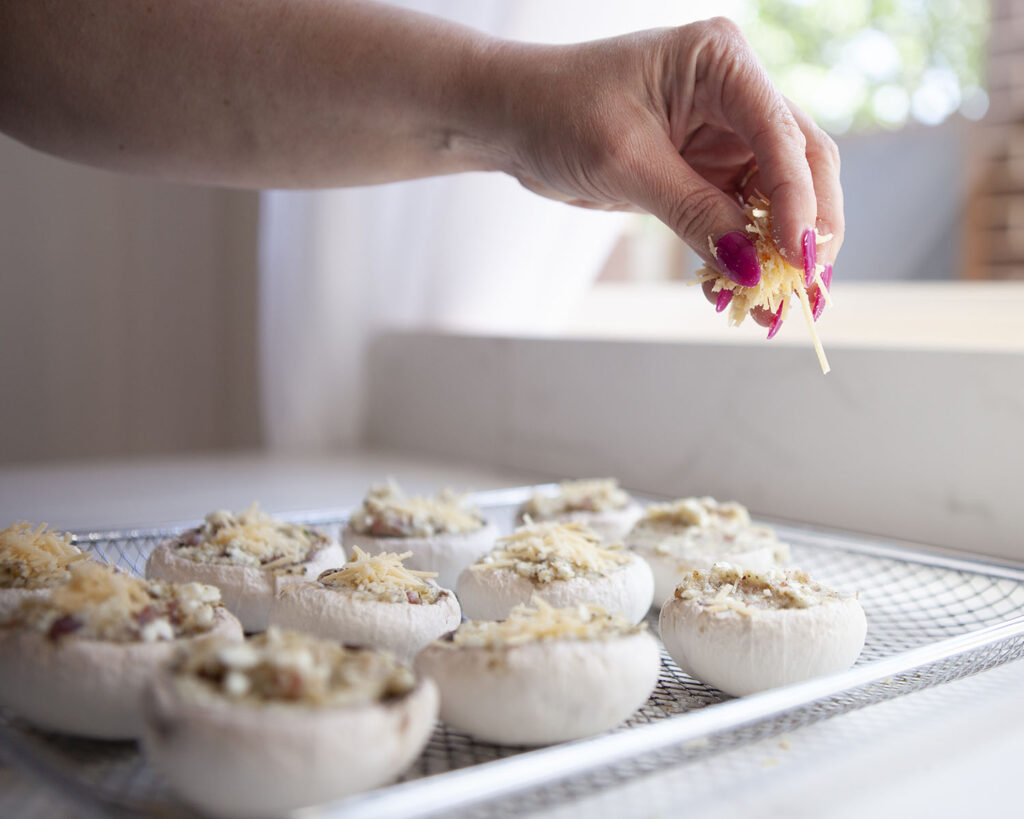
930, 620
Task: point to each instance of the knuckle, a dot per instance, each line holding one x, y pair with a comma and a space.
692, 217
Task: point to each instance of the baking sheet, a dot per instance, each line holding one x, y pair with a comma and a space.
930, 619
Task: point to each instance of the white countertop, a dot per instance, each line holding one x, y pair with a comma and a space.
949, 751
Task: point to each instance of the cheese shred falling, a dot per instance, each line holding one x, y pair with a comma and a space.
779, 279
542, 621
35, 557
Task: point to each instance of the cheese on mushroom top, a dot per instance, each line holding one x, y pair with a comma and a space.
544, 552
578, 496
34, 558
289, 667
384, 577
100, 602
250, 538
695, 512
726, 588
541, 621
387, 512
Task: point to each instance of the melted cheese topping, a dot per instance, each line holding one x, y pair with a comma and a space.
387, 512
696, 512
99, 602
779, 279
544, 552
725, 588
542, 622
578, 496
34, 558
384, 577
250, 538
289, 667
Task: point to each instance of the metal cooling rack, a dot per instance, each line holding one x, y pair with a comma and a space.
931, 619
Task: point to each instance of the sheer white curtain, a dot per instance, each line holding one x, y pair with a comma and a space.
469, 252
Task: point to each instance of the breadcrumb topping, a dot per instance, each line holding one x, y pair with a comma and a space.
99, 602
250, 538
387, 512
600, 495
540, 622
545, 552
35, 558
384, 577
289, 667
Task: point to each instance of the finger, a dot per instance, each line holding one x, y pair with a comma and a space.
657, 179
757, 111
823, 159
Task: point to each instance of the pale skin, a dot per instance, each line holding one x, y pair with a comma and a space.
331, 93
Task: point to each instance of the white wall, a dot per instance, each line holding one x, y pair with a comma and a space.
127, 312
922, 445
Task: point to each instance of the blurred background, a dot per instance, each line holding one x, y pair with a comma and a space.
141, 317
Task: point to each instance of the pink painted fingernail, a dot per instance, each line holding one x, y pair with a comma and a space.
776, 323
724, 297
826, 276
819, 304
810, 247
738, 257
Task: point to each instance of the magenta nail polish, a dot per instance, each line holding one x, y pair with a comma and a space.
776, 323
738, 257
826, 276
819, 305
810, 248
724, 297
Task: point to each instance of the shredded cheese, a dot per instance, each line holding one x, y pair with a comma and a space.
779, 279
599, 495
384, 577
101, 602
544, 552
726, 588
250, 538
33, 558
540, 621
700, 512
288, 667
387, 512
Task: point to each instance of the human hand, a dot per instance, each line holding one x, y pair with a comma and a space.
682, 123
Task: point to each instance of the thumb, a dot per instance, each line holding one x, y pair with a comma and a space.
662, 183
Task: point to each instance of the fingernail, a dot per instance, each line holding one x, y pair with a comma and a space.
776, 323
819, 304
810, 247
736, 253
724, 297
826, 276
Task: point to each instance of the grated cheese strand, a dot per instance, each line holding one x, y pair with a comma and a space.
779, 279
35, 557
540, 621
553, 551
382, 575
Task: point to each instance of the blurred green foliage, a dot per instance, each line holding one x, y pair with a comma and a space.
863, 64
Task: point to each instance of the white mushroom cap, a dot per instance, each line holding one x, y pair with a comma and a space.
744, 649
542, 692
247, 591
236, 759
490, 594
90, 688
446, 554
353, 618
